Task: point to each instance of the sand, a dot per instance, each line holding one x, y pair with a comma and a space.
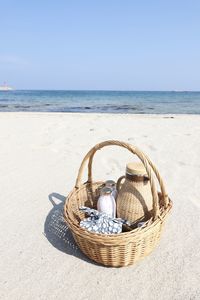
39, 157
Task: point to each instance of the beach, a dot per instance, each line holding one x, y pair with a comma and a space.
40, 155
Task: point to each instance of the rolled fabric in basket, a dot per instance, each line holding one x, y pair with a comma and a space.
99, 222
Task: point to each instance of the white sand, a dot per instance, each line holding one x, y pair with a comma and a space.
39, 157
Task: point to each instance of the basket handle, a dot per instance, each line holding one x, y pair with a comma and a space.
118, 184
144, 159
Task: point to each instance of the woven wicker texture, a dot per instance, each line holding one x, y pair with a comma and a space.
134, 201
125, 248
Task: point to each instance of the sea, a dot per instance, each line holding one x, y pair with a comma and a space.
132, 102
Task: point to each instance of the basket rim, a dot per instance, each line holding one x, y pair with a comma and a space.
106, 238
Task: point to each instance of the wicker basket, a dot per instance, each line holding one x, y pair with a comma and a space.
125, 248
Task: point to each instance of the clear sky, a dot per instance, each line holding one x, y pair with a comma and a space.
100, 44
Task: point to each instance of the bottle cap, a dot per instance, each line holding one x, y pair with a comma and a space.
110, 183
136, 168
106, 191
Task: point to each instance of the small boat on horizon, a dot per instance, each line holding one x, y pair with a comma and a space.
5, 87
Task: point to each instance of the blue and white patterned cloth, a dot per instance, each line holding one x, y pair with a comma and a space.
99, 222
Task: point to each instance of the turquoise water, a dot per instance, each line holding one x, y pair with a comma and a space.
101, 102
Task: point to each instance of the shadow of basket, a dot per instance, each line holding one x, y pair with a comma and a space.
57, 231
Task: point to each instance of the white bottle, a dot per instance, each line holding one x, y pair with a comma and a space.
106, 202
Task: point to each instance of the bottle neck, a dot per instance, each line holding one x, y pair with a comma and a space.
106, 195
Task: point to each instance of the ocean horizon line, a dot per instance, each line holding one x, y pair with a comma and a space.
108, 90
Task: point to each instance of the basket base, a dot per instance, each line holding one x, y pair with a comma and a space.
112, 256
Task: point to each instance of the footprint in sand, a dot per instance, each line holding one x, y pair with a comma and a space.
182, 163
115, 165
152, 148
131, 139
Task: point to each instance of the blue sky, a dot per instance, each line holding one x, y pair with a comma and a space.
111, 45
